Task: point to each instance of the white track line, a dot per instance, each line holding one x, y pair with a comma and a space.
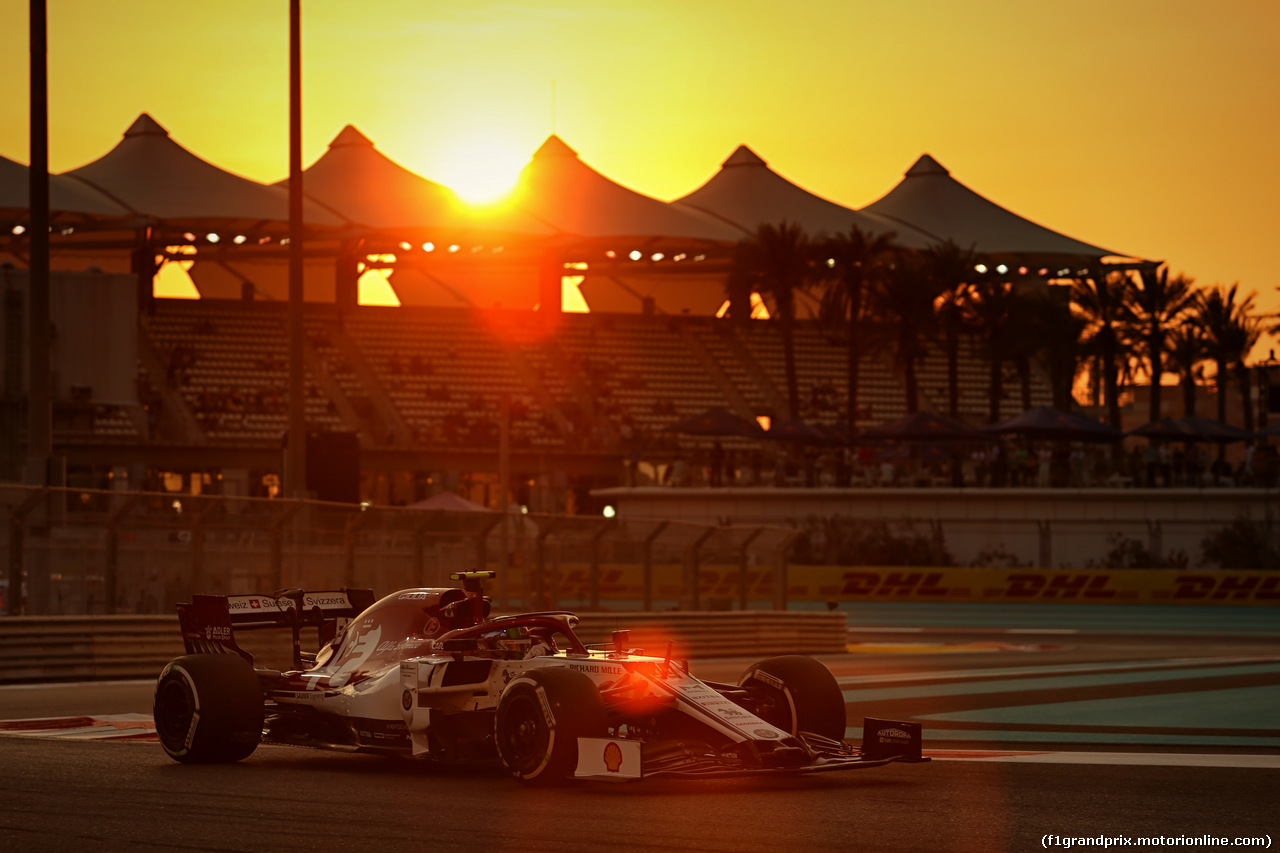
1130, 759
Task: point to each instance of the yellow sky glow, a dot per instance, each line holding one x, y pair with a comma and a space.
1147, 126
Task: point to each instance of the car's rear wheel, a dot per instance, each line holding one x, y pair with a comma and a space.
797, 694
540, 717
208, 709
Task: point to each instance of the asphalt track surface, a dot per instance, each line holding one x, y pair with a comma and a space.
1092, 725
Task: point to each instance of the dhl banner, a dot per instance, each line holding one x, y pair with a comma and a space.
1091, 586
842, 583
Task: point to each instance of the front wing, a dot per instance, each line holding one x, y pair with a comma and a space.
883, 742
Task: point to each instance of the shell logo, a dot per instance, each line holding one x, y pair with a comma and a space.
613, 758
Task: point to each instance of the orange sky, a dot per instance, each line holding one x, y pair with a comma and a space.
1146, 126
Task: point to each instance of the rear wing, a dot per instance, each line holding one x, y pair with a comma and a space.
209, 622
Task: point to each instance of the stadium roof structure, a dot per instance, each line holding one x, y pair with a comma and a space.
566, 193
69, 199
169, 187
932, 201
747, 193
370, 189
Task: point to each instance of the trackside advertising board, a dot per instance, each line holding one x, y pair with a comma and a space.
1091, 586
843, 583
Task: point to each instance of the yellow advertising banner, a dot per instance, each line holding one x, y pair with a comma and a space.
842, 583
1091, 586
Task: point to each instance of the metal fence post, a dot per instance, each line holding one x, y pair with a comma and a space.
693, 569
543, 600
648, 562
1046, 544
276, 535
350, 529
197, 546
111, 572
742, 567
17, 532
482, 542
780, 570
419, 559
595, 563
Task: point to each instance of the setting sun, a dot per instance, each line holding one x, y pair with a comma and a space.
481, 166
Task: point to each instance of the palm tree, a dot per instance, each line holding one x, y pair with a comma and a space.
1024, 336
1231, 334
989, 307
739, 286
1156, 303
854, 262
953, 271
778, 260
1058, 331
1187, 349
1100, 298
904, 301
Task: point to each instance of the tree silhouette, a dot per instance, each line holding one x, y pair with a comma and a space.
1230, 334
778, 261
851, 263
992, 310
953, 272
904, 301
1156, 303
1188, 348
1058, 331
1100, 298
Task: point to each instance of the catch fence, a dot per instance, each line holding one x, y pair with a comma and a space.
82, 551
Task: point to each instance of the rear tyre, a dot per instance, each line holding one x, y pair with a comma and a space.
540, 717
797, 694
208, 709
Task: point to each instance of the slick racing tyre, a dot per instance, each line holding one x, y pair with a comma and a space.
540, 717
208, 709
797, 694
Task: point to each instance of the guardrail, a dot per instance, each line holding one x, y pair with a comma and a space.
92, 648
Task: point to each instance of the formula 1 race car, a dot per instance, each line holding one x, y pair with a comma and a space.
427, 673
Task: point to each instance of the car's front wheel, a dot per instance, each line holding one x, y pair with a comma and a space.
540, 717
797, 694
208, 709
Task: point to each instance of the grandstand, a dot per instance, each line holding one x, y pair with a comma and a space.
191, 395
588, 396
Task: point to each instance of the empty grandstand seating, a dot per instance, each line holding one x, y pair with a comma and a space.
437, 378
230, 362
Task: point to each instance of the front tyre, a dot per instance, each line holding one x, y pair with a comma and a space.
797, 694
540, 717
208, 709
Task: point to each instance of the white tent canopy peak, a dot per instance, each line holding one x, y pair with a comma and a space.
926, 165
145, 125
349, 137
554, 147
743, 156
